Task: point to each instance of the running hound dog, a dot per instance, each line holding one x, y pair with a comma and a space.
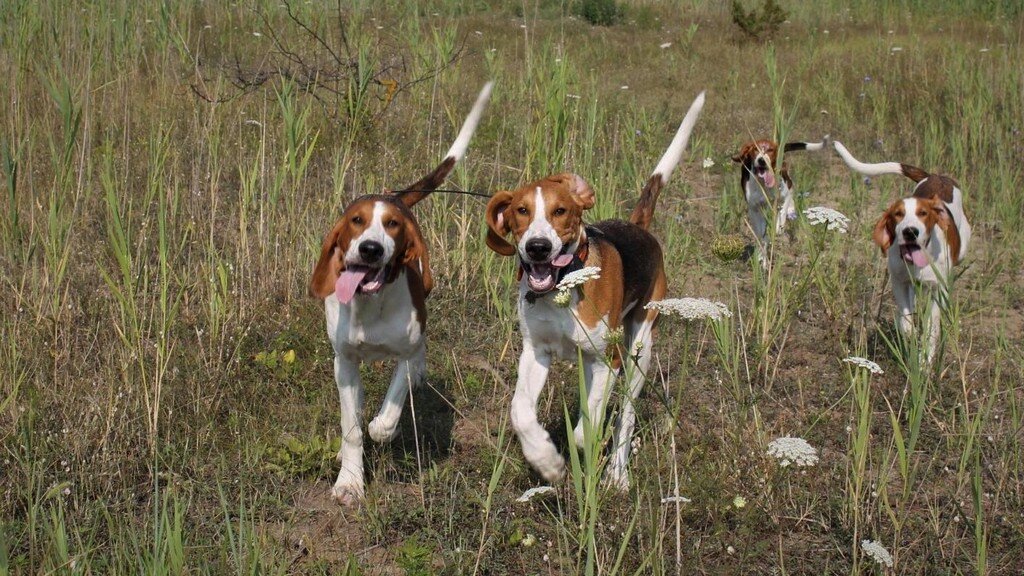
545, 220
758, 161
373, 275
923, 236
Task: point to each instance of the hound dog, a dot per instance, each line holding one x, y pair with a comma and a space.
545, 221
758, 162
373, 275
923, 236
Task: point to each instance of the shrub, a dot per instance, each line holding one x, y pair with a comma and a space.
759, 24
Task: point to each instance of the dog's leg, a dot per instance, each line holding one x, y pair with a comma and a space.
348, 488
598, 378
903, 294
637, 365
408, 372
934, 322
759, 224
538, 449
787, 211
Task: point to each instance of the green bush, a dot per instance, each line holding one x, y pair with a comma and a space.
600, 12
759, 24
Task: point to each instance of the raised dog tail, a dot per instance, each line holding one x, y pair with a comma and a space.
913, 172
809, 146
424, 186
644, 211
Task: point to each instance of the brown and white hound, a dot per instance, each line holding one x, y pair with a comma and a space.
758, 162
373, 275
545, 220
923, 236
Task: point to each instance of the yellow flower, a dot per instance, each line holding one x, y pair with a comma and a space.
289, 357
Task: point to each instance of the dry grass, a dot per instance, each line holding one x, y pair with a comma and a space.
155, 247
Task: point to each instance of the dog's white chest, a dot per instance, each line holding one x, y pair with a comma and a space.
375, 327
558, 330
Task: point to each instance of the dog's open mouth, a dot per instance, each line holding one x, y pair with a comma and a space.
765, 174
540, 276
912, 253
362, 279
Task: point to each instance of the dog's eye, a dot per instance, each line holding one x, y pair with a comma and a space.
392, 223
559, 211
357, 220
922, 213
522, 210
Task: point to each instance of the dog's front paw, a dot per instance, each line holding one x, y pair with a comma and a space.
382, 430
552, 468
616, 478
347, 493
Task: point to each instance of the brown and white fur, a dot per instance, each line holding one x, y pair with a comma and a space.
923, 236
545, 220
373, 275
758, 162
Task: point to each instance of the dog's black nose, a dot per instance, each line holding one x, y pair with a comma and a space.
370, 251
910, 233
538, 248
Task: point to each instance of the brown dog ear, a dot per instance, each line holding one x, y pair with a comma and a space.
885, 231
416, 254
581, 191
328, 267
744, 152
497, 225
949, 230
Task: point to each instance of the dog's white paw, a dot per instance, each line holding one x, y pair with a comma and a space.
616, 478
383, 431
552, 468
347, 493
579, 435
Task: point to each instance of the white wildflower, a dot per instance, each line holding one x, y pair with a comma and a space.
664, 45
673, 499
533, 492
833, 219
739, 502
579, 277
691, 308
877, 552
791, 450
872, 367
707, 163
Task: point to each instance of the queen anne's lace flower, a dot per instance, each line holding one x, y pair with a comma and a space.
864, 363
832, 219
563, 298
877, 552
691, 308
579, 277
534, 492
707, 163
790, 450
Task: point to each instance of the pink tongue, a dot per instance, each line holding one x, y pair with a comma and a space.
347, 284
562, 261
769, 179
919, 259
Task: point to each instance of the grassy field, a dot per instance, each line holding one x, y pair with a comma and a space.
167, 404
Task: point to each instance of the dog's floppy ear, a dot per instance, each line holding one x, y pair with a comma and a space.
329, 266
497, 224
885, 231
416, 254
949, 230
582, 193
744, 152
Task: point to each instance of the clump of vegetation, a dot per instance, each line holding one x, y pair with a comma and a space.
600, 12
296, 458
759, 24
728, 247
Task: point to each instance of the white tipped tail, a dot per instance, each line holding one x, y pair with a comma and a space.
815, 146
458, 149
867, 169
675, 150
